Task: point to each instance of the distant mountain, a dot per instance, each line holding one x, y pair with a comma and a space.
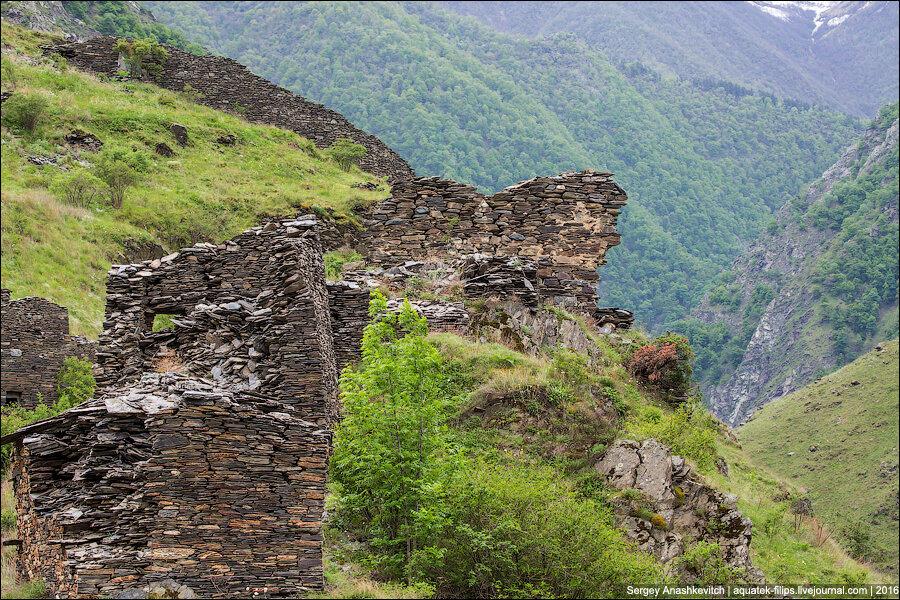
814, 292
704, 165
839, 54
838, 437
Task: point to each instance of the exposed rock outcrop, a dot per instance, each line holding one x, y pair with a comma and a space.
685, 509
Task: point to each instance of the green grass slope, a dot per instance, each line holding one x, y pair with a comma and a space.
528, 430
206, 192
838, 437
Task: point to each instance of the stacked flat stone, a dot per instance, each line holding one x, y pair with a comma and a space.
256, 316
224, 84
561, 225
175, 478
348, 303
34, 342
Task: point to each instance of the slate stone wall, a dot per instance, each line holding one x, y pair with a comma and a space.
225, 84
34, 341
173, 478
556, 228
250, 313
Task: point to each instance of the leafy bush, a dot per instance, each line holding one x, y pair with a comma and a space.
703, 565
120, 168
25, 110
144, 54
666, 363
79, 187
75, 384
690, 431
521, 532
346, 153
389, 451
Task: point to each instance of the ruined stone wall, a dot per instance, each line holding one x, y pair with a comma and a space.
561, 226
252, 313
172, 477
34, 341
348, 304
227, 84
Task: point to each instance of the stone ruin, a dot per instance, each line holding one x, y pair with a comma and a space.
173, 477
34, 341
539, 242
203, 459
213, 476
225, 84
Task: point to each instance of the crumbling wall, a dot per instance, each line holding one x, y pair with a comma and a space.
252, 314
546, 237
173, 478
225, 84
34, 341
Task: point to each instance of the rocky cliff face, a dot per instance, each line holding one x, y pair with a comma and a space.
684, 508
790, 345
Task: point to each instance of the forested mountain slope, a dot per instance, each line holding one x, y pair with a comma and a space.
703, 168
838, 54
838, 437
818, 289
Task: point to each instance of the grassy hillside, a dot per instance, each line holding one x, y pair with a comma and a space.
838, 437
517, 436
703, 168
207, 192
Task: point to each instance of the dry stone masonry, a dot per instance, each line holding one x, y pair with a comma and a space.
225, 84
213, 477
177, 478
250, 313
33, 344
541, 240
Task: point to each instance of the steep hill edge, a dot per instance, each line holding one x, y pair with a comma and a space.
789, 291
225, 84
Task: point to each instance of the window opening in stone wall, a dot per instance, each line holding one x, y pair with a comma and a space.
163, 321
10, 398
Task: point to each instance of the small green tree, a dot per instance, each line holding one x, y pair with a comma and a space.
346, 153
78, 187
119, 169
140, 55
387, 460
25, 110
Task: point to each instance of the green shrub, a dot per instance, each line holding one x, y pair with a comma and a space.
703, 564
78, 187
25, 111
144, 55
666, 364
690, 431
120, 168
346, 153
520, 531
8, 519
390, 448
571, 367
74, 383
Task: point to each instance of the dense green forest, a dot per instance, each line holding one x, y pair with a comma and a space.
844, 57
850, 282
117, 18
704, 167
